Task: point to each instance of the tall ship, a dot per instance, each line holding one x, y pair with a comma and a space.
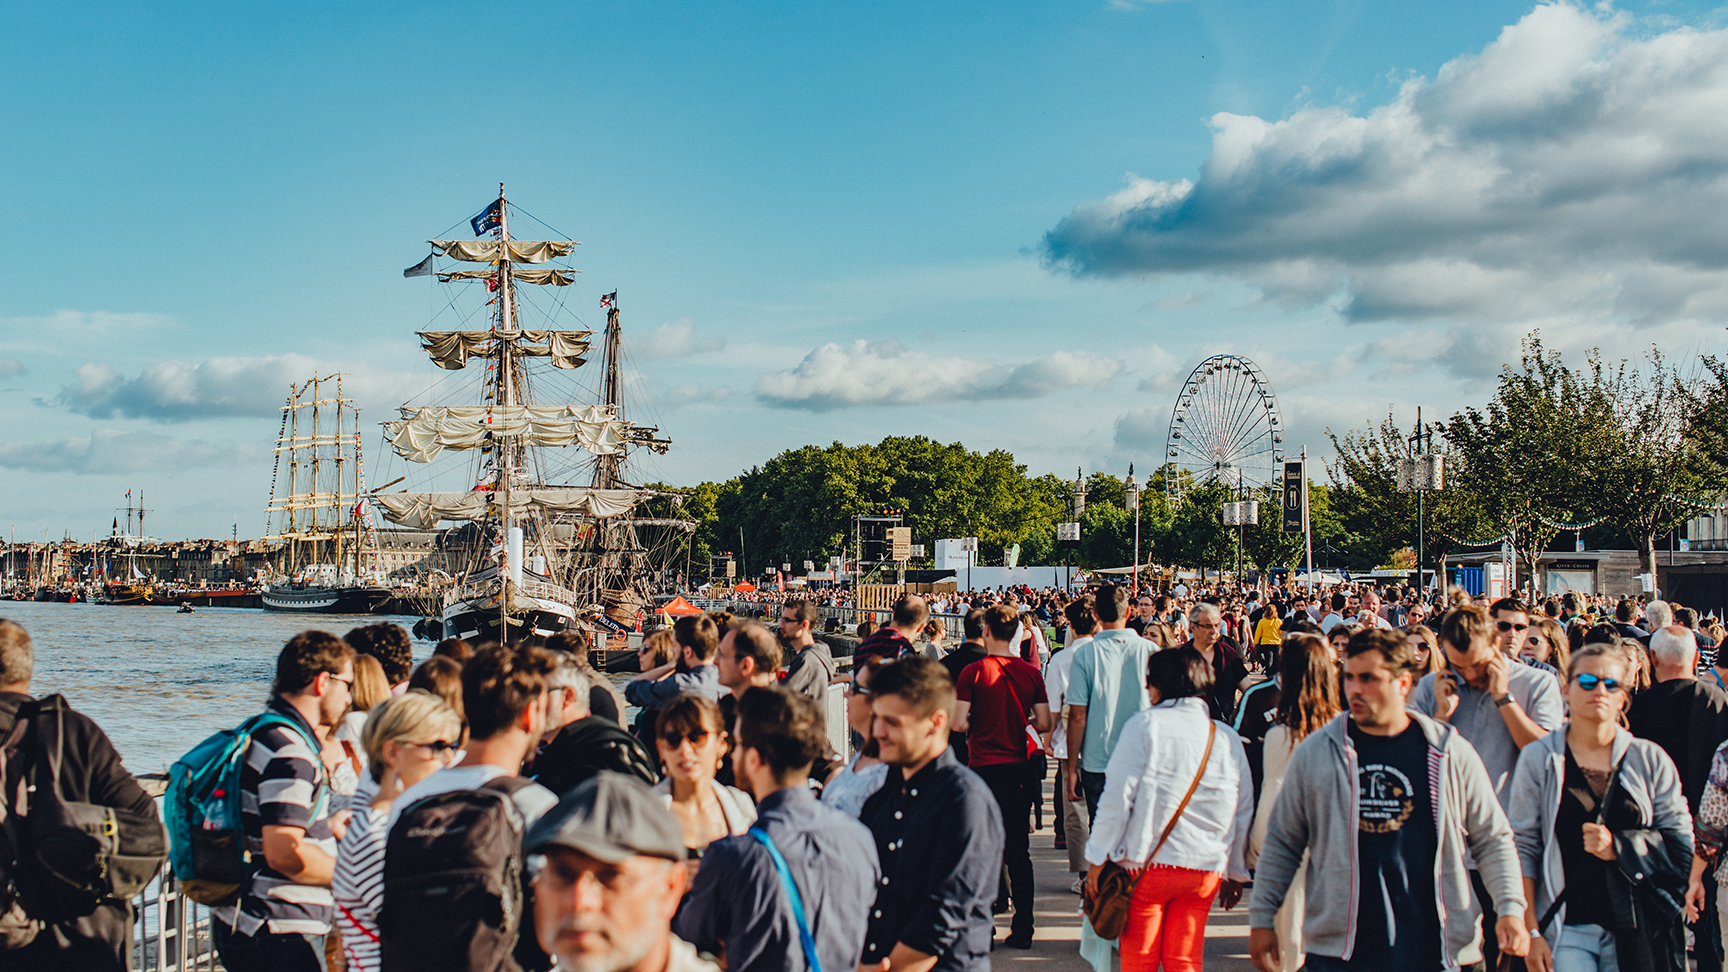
317, 509
531, 460
123, 583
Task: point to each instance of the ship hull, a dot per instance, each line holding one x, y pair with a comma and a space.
325, 600
481, 619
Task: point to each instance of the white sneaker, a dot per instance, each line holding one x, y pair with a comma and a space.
1079, 884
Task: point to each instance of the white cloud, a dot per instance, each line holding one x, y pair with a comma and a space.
838, 376
178, 391
107, 451
1575, 168
73, 328
677, 339
12, 368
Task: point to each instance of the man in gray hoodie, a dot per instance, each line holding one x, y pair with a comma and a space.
1386, 803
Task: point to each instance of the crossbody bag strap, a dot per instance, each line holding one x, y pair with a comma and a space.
1205, 757
791, 887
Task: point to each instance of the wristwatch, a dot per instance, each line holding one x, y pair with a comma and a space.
1505, 700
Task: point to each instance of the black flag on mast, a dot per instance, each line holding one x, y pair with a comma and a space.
421, 269
490, 218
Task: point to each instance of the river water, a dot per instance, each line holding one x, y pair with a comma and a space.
158, 681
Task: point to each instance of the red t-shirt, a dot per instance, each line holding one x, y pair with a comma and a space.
1002, 692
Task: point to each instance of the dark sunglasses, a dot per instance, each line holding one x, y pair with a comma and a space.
696, 736
1589, 682
438, 747
1509, 626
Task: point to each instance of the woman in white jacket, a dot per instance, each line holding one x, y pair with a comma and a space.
1157, 758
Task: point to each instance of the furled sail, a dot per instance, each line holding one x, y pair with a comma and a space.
544, 276
520, 251
422, 433
423, 511
450, 350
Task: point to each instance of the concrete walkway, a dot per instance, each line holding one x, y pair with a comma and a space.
1056, 938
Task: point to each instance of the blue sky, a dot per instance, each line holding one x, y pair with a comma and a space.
1014, 225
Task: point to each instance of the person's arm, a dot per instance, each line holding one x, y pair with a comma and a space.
1545, 714
1121, 784
1540, 958
705, 919
1490, 839
968, 854
1076, 735
962, 714
1237, 869
658, 692
1286, 840
1041, 720
290, 854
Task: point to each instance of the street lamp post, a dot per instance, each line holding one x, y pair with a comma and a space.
1132, 486
1421, 472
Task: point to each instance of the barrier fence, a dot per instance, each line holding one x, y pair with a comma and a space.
170, 932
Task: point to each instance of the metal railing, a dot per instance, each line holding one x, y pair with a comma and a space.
171, 932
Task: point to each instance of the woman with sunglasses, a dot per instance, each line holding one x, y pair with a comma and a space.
407, 738
1426, 646
1546, 641
692, 742
1574, 792
850, 785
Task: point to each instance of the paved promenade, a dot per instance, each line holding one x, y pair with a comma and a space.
1056, 941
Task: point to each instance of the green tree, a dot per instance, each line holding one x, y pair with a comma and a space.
1529, 453
1654, 463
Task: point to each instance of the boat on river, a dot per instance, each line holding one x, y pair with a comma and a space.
553, 529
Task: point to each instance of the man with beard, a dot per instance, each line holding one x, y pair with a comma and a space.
812, 665
609, 873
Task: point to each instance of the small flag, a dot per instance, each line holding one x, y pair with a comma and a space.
491, 282
489, 219
609, 300
421, 269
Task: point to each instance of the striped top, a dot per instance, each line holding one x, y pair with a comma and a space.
359, 886
282, 784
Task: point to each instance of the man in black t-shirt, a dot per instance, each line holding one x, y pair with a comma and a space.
1381, 903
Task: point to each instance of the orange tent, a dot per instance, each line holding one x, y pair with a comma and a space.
746, 587
678, 607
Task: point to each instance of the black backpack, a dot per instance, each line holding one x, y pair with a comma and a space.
60, 859
454, 892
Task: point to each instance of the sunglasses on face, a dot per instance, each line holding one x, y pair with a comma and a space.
1509, 626
673, 738
437, 747
1589, 682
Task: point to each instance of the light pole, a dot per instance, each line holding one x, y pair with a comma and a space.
1418, 474
1073, 531
1132, 486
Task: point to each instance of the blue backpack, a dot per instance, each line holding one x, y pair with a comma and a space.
207, 842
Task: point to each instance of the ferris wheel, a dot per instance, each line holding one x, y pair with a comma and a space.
1225, 428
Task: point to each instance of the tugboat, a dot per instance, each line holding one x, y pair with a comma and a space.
540, 553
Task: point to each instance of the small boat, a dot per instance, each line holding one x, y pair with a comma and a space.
185, 609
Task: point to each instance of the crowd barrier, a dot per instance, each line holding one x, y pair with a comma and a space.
170, 932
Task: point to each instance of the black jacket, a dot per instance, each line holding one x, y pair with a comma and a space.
90, 772
584, 748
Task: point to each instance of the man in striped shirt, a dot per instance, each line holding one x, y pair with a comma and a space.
285, 908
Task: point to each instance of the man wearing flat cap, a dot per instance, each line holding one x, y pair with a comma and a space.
610, 880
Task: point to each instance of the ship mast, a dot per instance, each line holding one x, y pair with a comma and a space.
607, 467
505, 448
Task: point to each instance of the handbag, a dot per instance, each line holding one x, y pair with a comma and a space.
1108, 909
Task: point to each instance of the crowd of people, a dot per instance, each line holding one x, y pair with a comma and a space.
1390, 779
